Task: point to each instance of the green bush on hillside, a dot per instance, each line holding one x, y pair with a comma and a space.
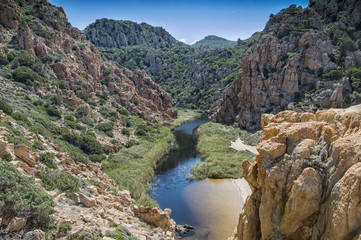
21, 117
6, 156
54, 179
25, 75
48, 159
82, 94
20, 197
51, 111
5, 107
105, 127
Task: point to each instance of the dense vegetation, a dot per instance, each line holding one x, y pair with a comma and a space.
20, 197
215, 42
219, 160
194, 76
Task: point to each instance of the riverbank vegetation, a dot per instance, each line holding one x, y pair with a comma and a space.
219, 160
186, 115
133, 168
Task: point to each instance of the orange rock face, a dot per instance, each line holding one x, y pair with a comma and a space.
306, 180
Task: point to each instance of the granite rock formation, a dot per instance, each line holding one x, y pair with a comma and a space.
306, 178
305, 60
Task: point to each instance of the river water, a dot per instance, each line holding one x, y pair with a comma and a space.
211, 206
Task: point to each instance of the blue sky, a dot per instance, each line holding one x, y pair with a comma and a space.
186, 20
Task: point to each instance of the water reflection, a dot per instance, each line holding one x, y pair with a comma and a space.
197, 203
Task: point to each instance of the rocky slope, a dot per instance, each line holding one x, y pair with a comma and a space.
195, 77
43, 30
64, 110
88, 201
306, 59
306, 181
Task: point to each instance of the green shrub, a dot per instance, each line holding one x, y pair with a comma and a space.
20, 197
64, 227
82, 94
5, 107
54, 179
108, 71
82, 111
126, 131
6, 156
132, 143
25, 75
69, 118
89, 144
51, 111
335, 74
105, 127
23, 57
38, 145
3, 60
97, 157
48, 159
79, 157
123, 111
63, 85
20, 117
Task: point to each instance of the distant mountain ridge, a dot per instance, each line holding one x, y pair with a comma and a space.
118, 33
195, 76
213, 41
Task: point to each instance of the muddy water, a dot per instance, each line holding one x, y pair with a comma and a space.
211, 206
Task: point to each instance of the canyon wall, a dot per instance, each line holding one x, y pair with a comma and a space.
305, 60
306, 180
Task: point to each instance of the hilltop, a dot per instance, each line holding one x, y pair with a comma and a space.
213, 41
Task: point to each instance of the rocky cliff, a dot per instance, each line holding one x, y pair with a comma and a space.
306, 180
195, 77
306, 59
43, 30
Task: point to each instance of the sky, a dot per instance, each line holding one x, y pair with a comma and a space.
187, 20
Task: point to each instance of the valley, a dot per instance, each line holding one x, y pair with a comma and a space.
121, 131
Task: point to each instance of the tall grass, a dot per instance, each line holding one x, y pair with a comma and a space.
219, 159
133, 168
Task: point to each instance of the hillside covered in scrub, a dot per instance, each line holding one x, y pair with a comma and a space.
305, 59
215, 42
64, 110
195, 77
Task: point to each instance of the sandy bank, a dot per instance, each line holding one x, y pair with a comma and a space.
243, 188
240, 146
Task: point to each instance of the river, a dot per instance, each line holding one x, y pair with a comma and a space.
211, 206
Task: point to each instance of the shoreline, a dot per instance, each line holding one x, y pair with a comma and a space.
243, 188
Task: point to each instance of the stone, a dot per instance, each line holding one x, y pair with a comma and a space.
16, 224
35, 235
25, 154
156, 217
312, 190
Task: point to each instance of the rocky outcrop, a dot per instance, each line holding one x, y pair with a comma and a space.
114, 34
48, 36
306, 179
156, 217
300, 63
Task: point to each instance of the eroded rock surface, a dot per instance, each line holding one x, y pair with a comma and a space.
299, 63
306, 181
